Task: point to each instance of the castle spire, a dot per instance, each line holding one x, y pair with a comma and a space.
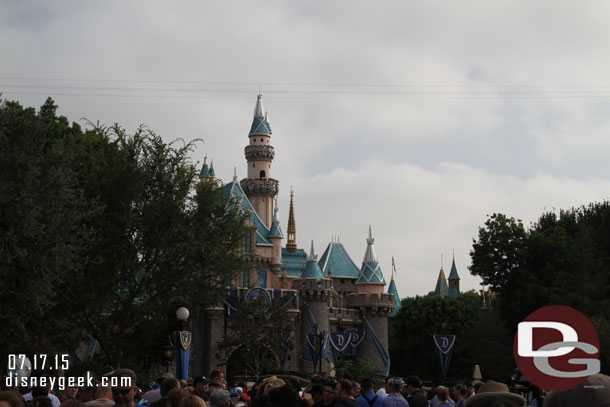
370, 273
454, 280
291, 245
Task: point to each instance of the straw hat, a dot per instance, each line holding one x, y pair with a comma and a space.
494, 391
594, 391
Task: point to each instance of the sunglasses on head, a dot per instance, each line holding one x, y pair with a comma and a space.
124, 392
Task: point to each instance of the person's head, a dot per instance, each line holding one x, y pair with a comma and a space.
219, 398
366, 385
70, 392
442, 393
87, 393
283, 396
328, 394
396, 386
594, 391
174, 396
355, 388
218, 376
497, 395
388, 385
200, 383
458, 392
469, 389
125, 390
213, 386
103, 392
10, 399
316, 392
188, 400
413, 383
168, 385
344, 389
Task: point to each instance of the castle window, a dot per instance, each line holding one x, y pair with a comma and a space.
261, 140
262, 174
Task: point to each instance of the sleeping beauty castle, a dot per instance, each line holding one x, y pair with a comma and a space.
337, 307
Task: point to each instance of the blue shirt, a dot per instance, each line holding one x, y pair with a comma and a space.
395, 400
370, 394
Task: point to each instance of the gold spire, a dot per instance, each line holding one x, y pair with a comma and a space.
291, 245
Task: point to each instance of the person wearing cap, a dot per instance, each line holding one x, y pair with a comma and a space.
496, 394
103, 398
394, 398
220, 398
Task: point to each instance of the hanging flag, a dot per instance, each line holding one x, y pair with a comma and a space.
340, 340
444, 346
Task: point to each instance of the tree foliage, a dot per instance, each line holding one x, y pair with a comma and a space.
257, 337
355, 369
480, 337
106, 233
562, 259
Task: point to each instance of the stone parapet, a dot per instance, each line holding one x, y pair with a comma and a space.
259, 153
372, 303
260, 186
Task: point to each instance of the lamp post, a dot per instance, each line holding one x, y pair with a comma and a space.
182, 345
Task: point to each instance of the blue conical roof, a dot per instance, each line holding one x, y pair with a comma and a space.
260, 125
392, 290
336, 259
211, 173
205, 169
453, 274
442, 288
370, 273
276, 228
312, 269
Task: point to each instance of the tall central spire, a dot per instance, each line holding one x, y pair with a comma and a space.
260, 187
291, 245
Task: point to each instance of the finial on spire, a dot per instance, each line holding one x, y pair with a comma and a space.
259, 109
276, 216
393, 267
441, 261
234, 174
370, 239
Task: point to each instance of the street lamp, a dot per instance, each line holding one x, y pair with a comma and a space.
182, 345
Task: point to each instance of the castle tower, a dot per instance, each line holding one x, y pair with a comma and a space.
315, 293
276, 236
393, 290
259, 186
454, 281
442, 288
207, 172
291, 245
375, 306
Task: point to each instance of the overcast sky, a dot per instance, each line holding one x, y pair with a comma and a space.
418, 118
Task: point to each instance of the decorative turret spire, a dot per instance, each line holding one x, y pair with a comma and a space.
205, 170
369, 254
441, 283
370, 273
291, 245
260, 125
211, 173
454, 280
393, 290
276, 229
312, 269
234, 174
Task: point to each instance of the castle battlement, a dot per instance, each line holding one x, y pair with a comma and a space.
366, 300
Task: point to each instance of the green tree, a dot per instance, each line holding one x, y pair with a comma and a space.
355, 369
418, 319
43, 241
105, 233
256, 337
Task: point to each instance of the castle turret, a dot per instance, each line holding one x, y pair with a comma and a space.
259, 186
375, 306
207, 172
442, 288
315, 293
276, 236
393, 290
454, 281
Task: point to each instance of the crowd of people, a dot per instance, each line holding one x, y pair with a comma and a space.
290, 391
